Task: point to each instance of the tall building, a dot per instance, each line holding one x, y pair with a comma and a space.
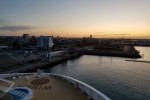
90, 36
45, 41
26, 36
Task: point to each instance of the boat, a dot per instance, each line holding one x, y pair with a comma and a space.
45, 86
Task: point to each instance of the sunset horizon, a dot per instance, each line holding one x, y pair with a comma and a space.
76, 18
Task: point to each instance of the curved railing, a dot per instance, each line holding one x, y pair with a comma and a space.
90, 91
14, 75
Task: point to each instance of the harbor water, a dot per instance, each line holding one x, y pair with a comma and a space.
113, 76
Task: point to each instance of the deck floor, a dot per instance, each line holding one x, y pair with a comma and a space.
50, 88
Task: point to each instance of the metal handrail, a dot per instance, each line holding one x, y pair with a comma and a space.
92, 92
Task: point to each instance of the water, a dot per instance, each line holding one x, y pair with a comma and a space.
113, 76
145, 51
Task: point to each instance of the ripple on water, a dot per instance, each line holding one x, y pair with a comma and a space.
115, 77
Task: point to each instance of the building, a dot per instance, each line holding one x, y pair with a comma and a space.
26, 36
45, 41
90, 36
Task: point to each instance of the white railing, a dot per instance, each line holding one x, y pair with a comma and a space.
90, 91
14, 75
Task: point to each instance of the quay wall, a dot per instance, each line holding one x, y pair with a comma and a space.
42, 63
113, 53
54, 62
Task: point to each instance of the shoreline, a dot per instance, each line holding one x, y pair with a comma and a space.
113, 54
33, 66
40, 64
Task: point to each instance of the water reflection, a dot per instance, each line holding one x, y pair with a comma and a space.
115, 77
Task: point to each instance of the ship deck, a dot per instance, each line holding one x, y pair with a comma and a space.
48, 88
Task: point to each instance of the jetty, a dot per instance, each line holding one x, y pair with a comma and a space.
127, 51
143, 61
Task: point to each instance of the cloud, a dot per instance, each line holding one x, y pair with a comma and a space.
109, 34
3, 21
120, 34
99, 32
15, 28
102, 35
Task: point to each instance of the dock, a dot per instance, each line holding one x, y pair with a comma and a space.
138, 61
113, 54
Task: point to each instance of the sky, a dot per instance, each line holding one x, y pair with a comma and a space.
76, 18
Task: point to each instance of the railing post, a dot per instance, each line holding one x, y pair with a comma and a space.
68, 81
98, 98
89, 94
82, 90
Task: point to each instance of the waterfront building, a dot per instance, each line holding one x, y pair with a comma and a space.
45, 41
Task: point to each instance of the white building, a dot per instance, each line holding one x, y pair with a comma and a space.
45, 41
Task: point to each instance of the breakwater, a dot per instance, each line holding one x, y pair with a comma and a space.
113, 53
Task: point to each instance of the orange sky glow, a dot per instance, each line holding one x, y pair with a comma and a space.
76, 18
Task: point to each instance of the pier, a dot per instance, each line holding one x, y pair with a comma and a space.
138, 61
113, 53
125, 51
